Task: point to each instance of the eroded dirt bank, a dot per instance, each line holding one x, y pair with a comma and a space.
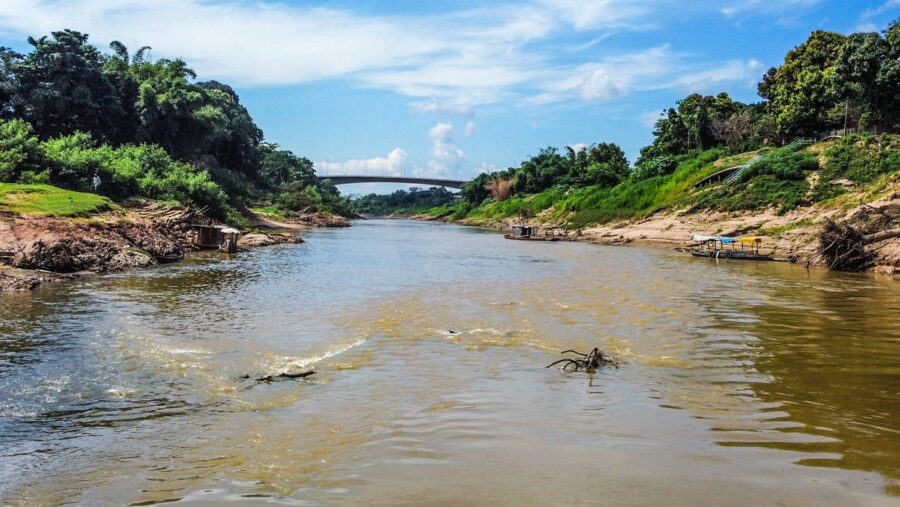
37, 250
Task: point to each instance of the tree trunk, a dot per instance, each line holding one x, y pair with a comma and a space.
881, 236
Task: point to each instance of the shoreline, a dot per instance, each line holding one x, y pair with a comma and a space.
791, 237
39, 250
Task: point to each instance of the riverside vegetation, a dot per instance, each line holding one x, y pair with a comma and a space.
828, 86
149, 130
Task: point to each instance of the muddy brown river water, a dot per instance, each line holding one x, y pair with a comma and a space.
738, 384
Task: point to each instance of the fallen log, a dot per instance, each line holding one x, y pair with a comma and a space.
286, 375
881, 236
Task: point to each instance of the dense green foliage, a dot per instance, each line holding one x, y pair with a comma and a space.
861, 159
700, 123
125, 171
68, 111
402, 202
828, 82
782, 164
602, 164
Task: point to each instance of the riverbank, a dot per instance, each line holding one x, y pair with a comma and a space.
39, 249
791, 237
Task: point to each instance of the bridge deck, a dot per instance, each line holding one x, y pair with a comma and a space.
434, 182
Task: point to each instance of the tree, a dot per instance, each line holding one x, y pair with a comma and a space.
800, 92
867, 77
281, 167
608, 165
232, 136
699, 123
476, 191
544, 170
165, 106
61, 88
8, 85
19, 150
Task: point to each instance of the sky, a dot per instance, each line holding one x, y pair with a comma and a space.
455, 88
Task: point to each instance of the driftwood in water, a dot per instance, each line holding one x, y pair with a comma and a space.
590, 362
845, 245
270, 378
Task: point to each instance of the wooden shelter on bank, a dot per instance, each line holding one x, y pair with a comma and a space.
212, 237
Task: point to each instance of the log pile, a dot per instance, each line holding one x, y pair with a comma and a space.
848, 245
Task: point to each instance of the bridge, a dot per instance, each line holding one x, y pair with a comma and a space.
363, 178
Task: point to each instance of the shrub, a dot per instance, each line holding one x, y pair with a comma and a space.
294, 201
501, 189
657, 166
20, 150
132, 171
782, 165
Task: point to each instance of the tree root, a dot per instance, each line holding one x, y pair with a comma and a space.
845, 246
590, 362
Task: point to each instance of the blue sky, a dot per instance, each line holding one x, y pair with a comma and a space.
454, 88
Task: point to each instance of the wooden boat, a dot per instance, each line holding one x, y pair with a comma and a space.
713, 247
529, 238
172, 257
527, 233
728, 254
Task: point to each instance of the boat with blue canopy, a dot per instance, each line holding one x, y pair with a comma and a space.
723, 247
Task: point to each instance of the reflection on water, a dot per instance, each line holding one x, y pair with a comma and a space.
755, 382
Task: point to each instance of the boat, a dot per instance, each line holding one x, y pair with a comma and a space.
175, 256
714, 247
529, 238
527, 233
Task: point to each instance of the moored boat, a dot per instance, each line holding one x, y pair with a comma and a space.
529, 238
714, 247
528, 233
175, 256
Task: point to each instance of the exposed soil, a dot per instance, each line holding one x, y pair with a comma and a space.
37, 250
302, 221
792, 237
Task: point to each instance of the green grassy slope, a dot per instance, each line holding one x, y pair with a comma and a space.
46, 200
782, 179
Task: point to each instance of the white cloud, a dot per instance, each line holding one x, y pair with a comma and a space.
650, 118
733, 8
867, 17
610, 79
438, 106
247, 43
601, 14
600, 85
578, 147
453, 62
395, 164
471, 129
458, 59
485, 168
712, 79
447, 158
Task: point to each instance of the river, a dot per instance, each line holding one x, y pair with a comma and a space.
739, 383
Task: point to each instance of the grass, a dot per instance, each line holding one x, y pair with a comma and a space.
274, 212
46, 200
634, 199
781, 229
781, 180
